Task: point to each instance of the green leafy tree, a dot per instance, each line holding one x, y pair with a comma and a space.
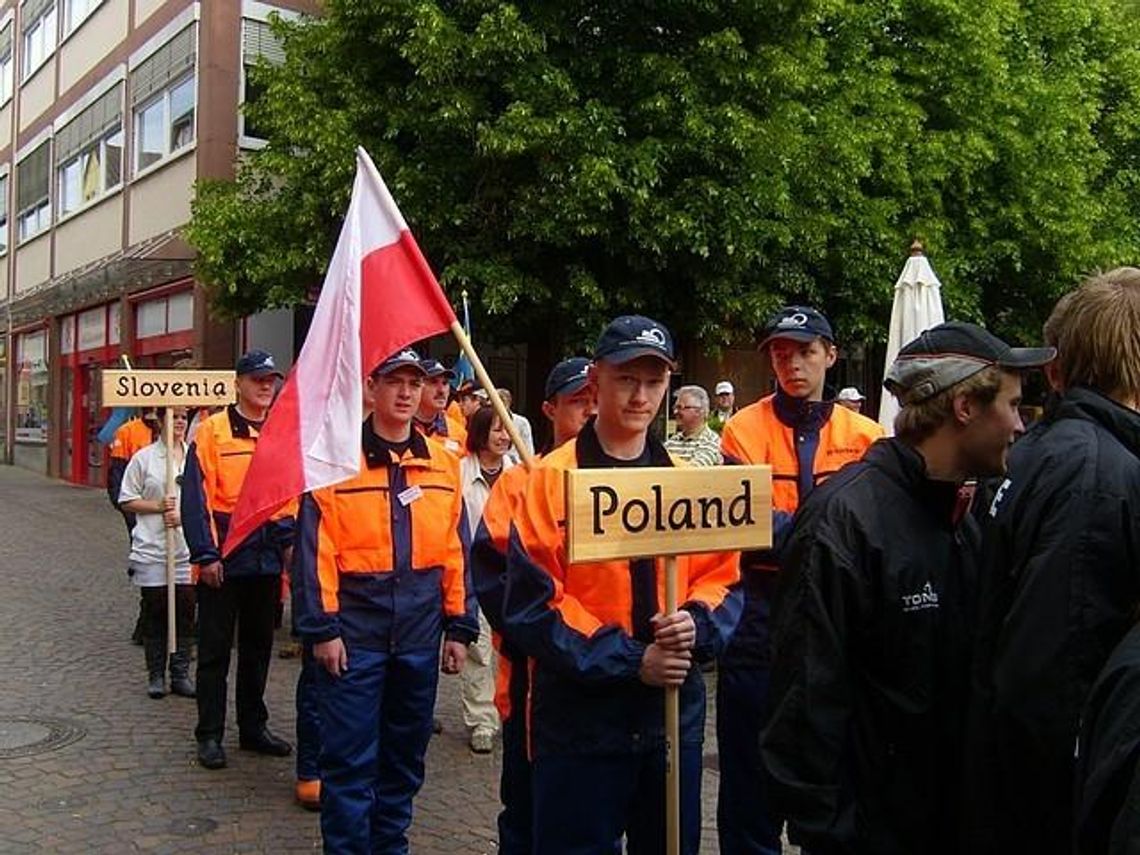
698, 160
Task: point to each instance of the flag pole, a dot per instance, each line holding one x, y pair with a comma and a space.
485, 381
168, 439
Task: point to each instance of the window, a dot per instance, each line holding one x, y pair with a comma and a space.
39, 34
163, 95
258, 42
3, 214
33, 199
31, 387
6, 64
75, 12
165, 315
89, 151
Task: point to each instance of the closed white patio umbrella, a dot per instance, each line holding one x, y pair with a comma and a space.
917, 308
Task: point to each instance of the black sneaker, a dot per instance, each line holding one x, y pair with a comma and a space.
265, 742
211, 754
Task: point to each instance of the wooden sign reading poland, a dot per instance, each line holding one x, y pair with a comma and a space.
173, 388
642, 512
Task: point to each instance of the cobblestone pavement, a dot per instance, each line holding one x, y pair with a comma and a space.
117, 772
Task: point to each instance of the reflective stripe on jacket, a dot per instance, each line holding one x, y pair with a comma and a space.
216, 466
586, 626
381, 558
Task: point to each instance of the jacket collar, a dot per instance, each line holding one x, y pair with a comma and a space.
240, 425
376, 451
591, 456
801, 414
943, 499
1083, 403
436, 427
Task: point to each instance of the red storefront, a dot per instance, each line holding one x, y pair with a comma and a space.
158, 331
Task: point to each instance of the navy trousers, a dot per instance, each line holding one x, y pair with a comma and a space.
375, 727
744, 820
584, 803
516, 817
308, 718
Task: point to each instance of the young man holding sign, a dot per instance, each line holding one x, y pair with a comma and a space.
602, 651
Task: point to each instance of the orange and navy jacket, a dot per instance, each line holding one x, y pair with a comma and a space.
512, 676
585, 627
805, 442
131, 436
216, 465
448, 432
381, 560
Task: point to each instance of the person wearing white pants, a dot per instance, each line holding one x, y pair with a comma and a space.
487, 446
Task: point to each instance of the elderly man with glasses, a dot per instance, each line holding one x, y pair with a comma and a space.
694, 440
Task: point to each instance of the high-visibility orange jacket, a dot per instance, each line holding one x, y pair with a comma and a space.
586, 627
512, 678
823, 436
804, 442
131, 436
216, 465
381, 559
450, 433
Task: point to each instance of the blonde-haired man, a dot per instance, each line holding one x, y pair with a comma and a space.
1062, 567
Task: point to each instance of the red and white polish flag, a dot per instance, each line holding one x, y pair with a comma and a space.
378, 297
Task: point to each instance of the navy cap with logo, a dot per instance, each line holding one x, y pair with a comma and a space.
950, 353
406, 358
631, 336
435, 368
567, 377
259, 363
799, 323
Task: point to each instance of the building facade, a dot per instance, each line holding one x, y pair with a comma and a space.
110, 110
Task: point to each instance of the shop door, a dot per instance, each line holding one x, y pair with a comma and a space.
67, 459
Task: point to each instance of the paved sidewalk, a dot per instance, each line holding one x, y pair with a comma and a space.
119, 774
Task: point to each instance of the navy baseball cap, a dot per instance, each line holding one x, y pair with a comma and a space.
950, 353
799, 323
630, 336
567, 377
435, 368
258, 363
406, 358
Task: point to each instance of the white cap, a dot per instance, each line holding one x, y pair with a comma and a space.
723, 388
849, 393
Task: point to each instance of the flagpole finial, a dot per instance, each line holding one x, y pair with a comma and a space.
916, 248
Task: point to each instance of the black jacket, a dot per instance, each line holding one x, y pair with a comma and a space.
1061, 577
871, 643
1108, 758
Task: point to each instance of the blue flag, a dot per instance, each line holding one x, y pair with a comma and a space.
119, 417
463, 370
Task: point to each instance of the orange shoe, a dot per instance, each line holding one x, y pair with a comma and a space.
308, 794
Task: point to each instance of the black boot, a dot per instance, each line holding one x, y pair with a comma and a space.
156, 673
180, 671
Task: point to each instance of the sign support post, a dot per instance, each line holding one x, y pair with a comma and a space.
665, 512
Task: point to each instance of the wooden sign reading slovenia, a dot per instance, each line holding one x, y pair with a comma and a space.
642, 512
172, 388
